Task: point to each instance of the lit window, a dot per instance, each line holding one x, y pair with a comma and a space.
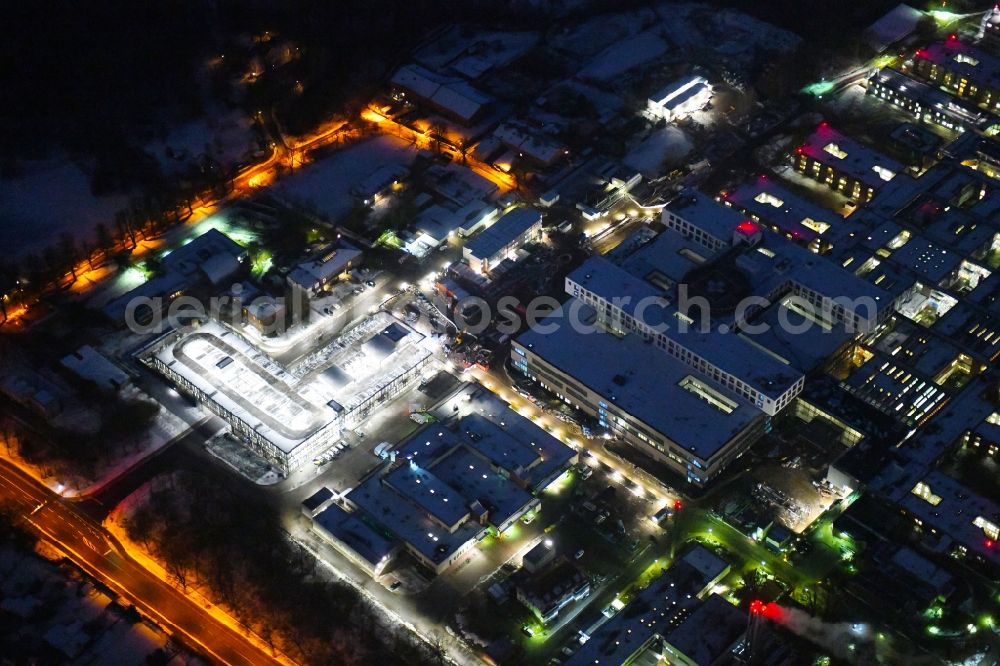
989, 528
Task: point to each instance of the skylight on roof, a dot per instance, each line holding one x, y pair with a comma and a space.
883, 173
899, 240
768, 198
835, 150
708, 394
923, 491
988, 527
818, 227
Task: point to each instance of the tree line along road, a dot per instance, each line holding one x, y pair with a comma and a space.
98, 553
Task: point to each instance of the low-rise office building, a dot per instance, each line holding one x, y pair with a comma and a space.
963, 70
674, 620
549, 591
312, 277
91, 365
924, 102
680, 98
783, 212
955, 518
844, 165
498, 242
445, 488
288, 415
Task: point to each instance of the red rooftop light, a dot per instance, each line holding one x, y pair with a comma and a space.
678, 505
746, 227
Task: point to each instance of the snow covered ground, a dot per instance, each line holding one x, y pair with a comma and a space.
622, 56
325, 185
53, 196
72, 616
116, 523
649, 156
227, 137
472, 55
614, 44
164, 429
596, 34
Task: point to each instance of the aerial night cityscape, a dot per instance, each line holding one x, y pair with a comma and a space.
500, 332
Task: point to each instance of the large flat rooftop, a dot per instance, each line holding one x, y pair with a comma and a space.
643, 381
724, 350
407, 522
500, 437
504, 231
363, 360
846, 155
971, 62
368, 542
287, 405
777, 205
488, 463
706, 213
248, 384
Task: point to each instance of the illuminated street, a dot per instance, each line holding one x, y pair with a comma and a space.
89, 546
533, 334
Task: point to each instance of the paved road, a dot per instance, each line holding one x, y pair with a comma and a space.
89, 546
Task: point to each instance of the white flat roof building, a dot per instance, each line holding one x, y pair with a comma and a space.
729, 359
507, 235
90, 364
450, 95
680, 98
315, 273
289, 415
659, 404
